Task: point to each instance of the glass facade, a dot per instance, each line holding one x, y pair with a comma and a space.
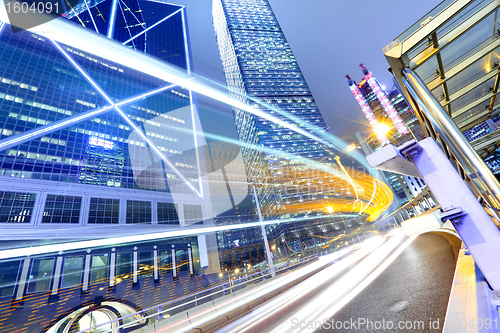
261, 71
458, 61
104, 211
95, 151
141, 24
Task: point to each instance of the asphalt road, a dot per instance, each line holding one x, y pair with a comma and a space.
413, 292
415, 288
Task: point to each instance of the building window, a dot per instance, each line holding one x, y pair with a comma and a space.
16, 207
138, 211
99, 268
41, 275
167, 213
72, 271
165, 262
146, 264
123, 266
193, 214
62, 209
8, 277
104, 211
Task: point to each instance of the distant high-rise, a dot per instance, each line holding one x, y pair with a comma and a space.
391, 109
258, 63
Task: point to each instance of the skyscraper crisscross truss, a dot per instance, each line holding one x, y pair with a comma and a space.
95, 151
153, 27
259, 65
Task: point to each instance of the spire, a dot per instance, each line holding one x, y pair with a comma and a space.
363, 68
349, 80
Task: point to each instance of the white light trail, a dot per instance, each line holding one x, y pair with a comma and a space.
60, 124
186, 231
91, 16
100, 46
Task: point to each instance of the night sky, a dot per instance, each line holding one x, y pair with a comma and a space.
329, 38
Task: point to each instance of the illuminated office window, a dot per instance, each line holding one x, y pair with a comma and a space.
193, 214
16, 207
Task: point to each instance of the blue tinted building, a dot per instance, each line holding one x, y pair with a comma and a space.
92, 144
259, 65
157, 28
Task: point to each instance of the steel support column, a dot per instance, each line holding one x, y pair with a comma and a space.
476, 228
264, 235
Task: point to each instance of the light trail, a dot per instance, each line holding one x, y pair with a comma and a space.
186, 231
232, 303
374, 260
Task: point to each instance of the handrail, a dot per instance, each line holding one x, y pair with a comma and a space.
453, 137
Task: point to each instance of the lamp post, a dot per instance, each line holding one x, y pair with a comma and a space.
264, 235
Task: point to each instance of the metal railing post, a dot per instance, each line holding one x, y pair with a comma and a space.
452, 136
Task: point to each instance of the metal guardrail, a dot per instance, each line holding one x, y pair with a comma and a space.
262, 275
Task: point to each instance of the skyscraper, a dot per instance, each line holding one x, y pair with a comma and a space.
259, 65
153, 27
90, 140
390, 110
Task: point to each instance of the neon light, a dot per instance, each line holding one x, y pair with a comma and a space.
386, 104
366, 110
95, 141
154, 25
